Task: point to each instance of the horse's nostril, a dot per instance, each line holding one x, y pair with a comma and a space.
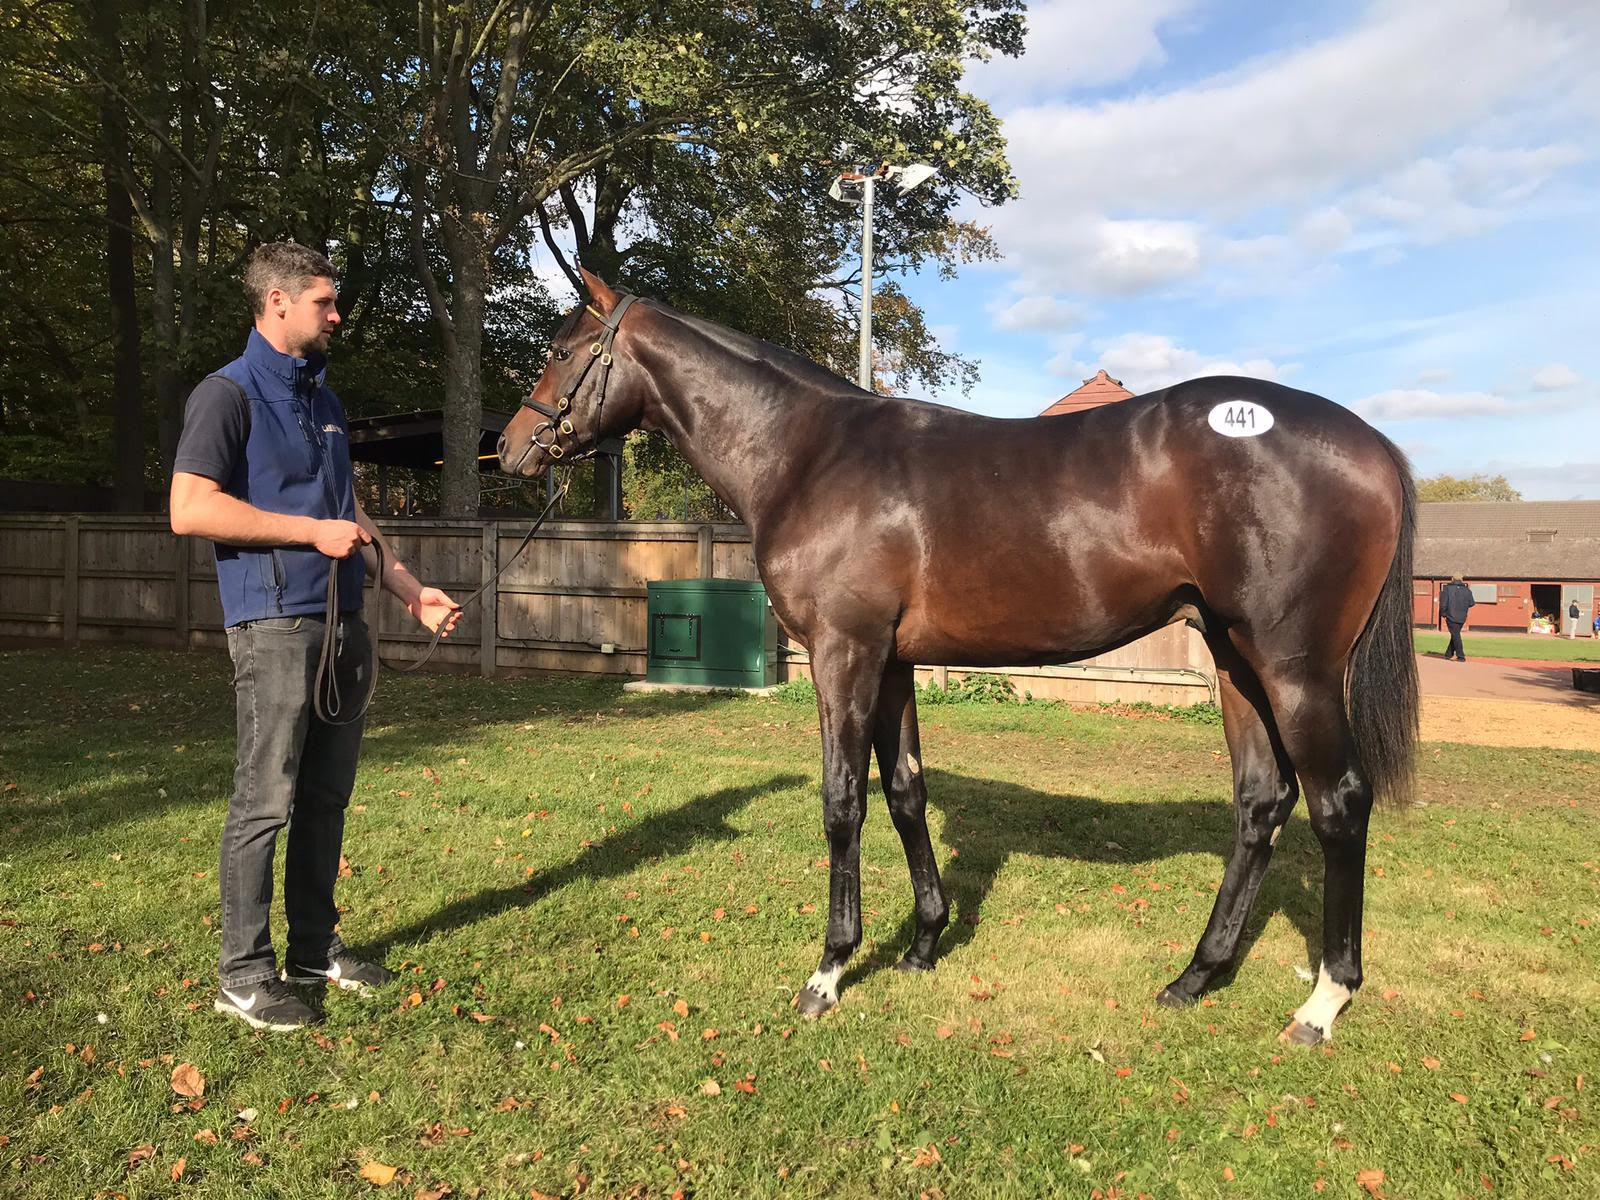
500, 446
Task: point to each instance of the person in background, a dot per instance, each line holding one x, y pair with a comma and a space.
1572, 619
1455, 598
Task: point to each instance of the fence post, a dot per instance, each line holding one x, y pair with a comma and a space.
489, 602
69, 584
941, 676
180, 580
708, 561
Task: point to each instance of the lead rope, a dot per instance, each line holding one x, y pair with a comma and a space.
326, 699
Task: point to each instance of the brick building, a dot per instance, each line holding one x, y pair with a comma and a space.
1522, 558
1102, 389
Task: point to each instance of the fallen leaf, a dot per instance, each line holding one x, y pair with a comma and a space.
711, 1087
1431, 1063
378, 1173
187, 1080
744, 1085
206, 1137
251, 1157
437, 1192
1370, 1179
178, 1169
681, 1008
1227, 1174
622, 1000
1528, 1035
927, 1156
1458, 1097
139, 1154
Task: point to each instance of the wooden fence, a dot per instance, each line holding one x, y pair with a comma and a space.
574, 602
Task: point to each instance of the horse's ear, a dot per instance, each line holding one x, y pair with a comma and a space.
605, 299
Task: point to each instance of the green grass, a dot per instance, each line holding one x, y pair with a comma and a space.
1545, 649
508, 839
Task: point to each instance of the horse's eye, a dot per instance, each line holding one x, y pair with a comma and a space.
561, 353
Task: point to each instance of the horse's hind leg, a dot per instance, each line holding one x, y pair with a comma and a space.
899, 764
848, 673
1311, 715
1263, 795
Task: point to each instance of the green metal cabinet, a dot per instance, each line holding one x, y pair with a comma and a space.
715, 632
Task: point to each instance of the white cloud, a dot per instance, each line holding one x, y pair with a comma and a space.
1147, 361
1346, 127
1564, 481
1074, 45
1038, 312
1433, 375
1129, 257
1407, 404
1555, 377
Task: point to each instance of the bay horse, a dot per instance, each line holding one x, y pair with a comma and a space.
890, 532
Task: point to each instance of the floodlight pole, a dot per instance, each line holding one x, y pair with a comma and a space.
864, 367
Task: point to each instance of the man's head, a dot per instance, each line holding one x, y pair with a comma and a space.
292, 297
1456, 578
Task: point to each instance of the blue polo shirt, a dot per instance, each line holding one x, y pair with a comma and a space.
272, 433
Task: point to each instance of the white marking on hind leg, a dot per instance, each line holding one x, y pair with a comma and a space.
1324, 1004
913, 764
826, 983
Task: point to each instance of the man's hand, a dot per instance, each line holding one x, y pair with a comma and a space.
435, 610
340, 539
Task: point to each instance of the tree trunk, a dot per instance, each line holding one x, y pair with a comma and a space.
127, 416
463, 380
164, 306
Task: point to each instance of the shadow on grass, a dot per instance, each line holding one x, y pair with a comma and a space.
704, 819
987, 821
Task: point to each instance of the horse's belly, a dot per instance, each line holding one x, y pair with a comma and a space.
1012, 639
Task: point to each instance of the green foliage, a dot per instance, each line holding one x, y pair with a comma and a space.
1473, 487
796, 691
977, 687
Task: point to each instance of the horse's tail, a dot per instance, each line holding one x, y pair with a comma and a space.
1381, 692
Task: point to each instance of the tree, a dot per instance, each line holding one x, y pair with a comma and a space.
695, 127
1473, 487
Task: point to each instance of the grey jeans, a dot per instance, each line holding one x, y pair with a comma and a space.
289, 769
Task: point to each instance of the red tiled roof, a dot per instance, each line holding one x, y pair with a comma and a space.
1102, 389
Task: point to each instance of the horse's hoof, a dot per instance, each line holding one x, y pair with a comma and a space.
1299, 1034
912, 963
1170, 997
812, 1004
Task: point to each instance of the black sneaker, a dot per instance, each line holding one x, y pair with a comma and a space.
269, 1004
344, 970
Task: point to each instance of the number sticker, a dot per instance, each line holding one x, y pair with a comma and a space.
1240, 418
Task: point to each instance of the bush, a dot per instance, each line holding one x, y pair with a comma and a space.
980, 687
796, 691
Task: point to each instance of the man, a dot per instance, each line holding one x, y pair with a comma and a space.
1572, 619
1455, 598
263, 470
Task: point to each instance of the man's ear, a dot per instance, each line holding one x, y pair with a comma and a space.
600, 292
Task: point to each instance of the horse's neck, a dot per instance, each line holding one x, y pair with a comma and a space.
749, 427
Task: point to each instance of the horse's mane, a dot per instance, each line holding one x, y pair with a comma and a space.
754, 351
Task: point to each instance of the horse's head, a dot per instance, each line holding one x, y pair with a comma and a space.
588, 392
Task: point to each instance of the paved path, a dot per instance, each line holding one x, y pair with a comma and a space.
1503, 679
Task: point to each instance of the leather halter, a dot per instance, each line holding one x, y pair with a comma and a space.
557, 422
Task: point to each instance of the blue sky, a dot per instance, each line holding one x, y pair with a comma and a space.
1392, 204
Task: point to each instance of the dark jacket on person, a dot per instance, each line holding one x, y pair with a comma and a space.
1454, 601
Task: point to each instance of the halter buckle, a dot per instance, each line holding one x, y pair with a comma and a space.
605, 360
596, 348
566, 427
554, 450
563, 404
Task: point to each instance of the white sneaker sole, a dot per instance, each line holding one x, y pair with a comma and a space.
254, 1022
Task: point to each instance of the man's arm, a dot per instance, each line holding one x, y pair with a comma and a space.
428, 605
199, 506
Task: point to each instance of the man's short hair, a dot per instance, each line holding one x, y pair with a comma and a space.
287, 266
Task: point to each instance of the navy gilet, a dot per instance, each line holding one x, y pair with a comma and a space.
296, 460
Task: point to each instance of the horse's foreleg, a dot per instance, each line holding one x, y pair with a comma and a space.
899, 764
847, 674
1264, 794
